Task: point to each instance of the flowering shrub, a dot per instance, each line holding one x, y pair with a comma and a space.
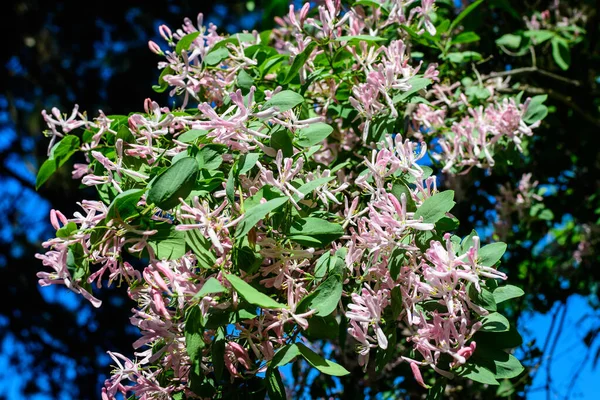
286, 203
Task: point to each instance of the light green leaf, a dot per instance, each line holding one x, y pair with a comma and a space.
284, 100
321, 232
509, 40
466, 37
507, 292
215, 56
314, 134
435, 207
211, 286
360, 38
477, 373
275, 386
492, 253
536, 110
186, 41
251, 295
191, 135
561, 52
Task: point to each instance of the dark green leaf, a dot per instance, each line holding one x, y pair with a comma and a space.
256, 214
176, 182
298, 63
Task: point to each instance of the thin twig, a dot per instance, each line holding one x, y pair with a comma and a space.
526, 70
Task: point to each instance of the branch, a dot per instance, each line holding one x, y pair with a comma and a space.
526, 70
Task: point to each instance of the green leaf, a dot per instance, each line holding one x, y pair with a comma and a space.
215, 56
507, 292
177, 181
309, 187
281, 139
275, 386
539, 36
501, 364
285, 355
191, 135
477, 373
321, 232
162, 84
247, 162
561, 52
256, 214
495, 322
327, 296
360, 38
245, 80
284, 100
416, 84
509, 40
194, 338
211, 156
464, 14
490, 254
211, 286
466, 37
298, 63
60, 154
484, 298
251, 295
67, 230
435, 207
536, 110
186, 41
125, 204
464, 56
318, 362
314, 134
168, 243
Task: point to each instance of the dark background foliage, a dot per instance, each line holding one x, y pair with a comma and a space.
64, 52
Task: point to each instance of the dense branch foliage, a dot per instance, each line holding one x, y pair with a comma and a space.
285, 201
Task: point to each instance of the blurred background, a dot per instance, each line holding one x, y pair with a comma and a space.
57, 53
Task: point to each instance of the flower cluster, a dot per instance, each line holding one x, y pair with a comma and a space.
285, 201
